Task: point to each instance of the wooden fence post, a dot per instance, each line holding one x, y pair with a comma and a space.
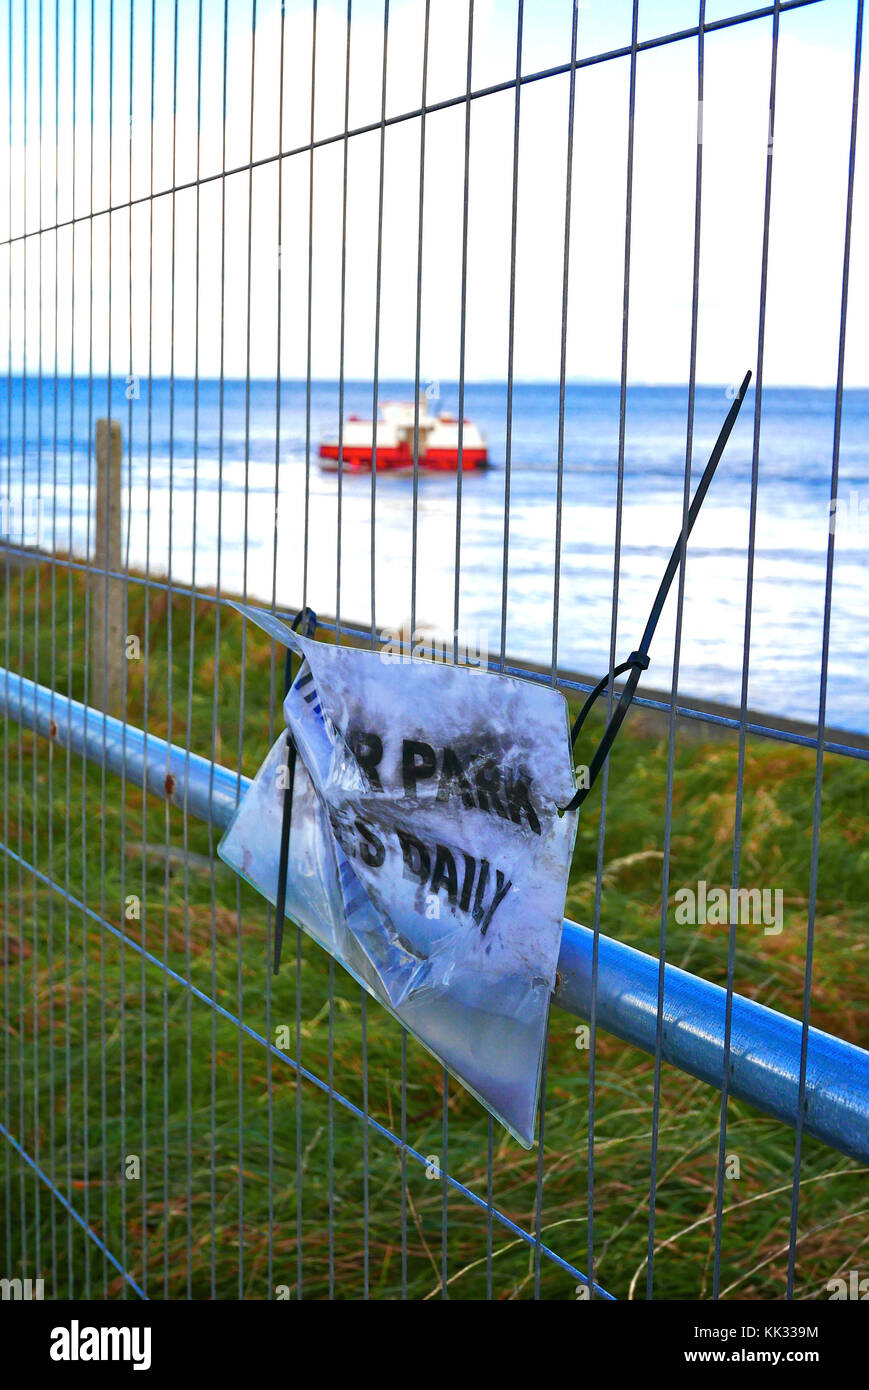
107, 652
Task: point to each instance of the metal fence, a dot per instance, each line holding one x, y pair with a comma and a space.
176, 1122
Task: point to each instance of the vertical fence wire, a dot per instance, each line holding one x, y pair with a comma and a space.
274, 604
375, 408
505, 548
20, 743
457, 563
188, 1059
243, 673
68, 759
677, 646
7, 1070
556, 569
35, 1011
52, 1138
125, 563
308, 368
146, 654
617, 551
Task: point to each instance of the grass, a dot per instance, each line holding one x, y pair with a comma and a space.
175, 1134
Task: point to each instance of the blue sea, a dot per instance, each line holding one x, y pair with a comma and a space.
217, 468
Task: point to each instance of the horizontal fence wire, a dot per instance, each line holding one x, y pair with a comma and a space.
153, 1137
560, 70
510, 667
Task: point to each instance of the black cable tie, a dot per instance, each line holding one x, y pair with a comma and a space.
306, 620
638, 661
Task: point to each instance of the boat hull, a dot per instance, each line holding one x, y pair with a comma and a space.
358, 459
447, 460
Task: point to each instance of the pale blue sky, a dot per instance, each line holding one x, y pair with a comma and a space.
806, 231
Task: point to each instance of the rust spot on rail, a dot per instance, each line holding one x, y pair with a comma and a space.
169, 784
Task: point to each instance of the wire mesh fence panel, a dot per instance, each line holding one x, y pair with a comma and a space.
352, 308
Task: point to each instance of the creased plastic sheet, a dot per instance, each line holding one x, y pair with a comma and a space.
427, 851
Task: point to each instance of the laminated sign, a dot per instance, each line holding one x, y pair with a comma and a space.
427, 850
417, 819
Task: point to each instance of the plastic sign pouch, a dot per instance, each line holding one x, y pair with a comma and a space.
427, 851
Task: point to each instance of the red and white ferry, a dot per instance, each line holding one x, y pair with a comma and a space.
438, 442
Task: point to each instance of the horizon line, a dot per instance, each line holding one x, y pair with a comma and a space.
122, 375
